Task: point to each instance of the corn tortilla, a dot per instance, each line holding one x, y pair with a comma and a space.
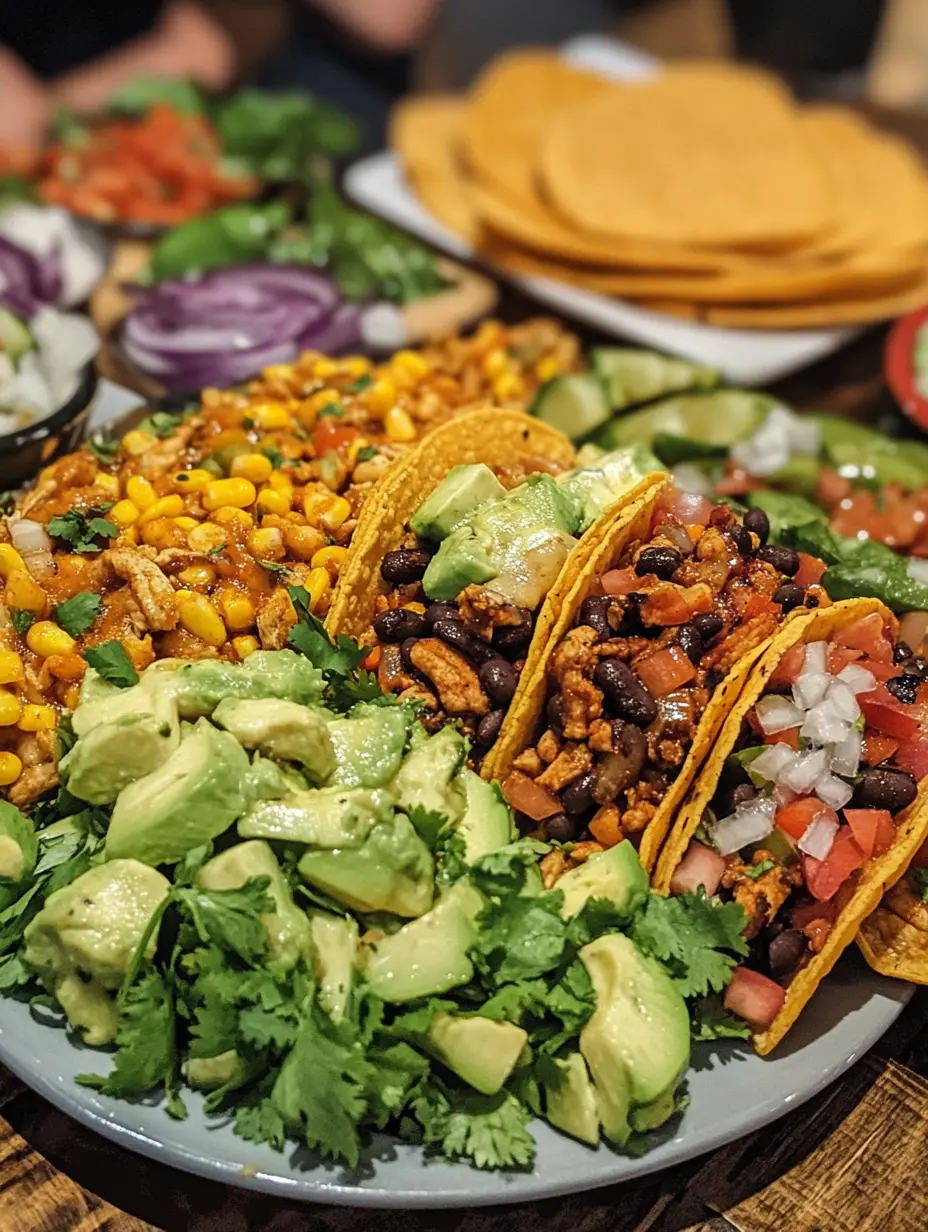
894, 939
426, 133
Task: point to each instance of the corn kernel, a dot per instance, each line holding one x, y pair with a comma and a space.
317, 584
38, 718
11, 708
380, 396
244, 646
237, 609
10, 559
128, 536
311, 406
124, 513
230, 436
254, 466
355, 366
161, 533
496, 362
270, 501
207, 536
23, 591
399, 425
107, 483
199, 617
324, 368
239, 493
489, 334
303, 542
11, 666
278, 372
231, 517
197, 575
194, 480
136, 443
547, 368
46, 638
163, 507
408, 367
271, 416
266, 543
414, 606
507, 386
186, 523
10, 769
330, 558
279, 482
324, 509
72, 697
140, 491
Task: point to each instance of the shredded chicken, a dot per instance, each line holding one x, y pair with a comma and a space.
452, 676
32, 783
570, 763
151, 589
578, 700
483, 611
275, 620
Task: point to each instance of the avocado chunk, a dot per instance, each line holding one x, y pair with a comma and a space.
391, 870
518, 542
570, 1104
597, 488
208, 1073
428, 777
287, 927
82, 941
487, 822
430, 955
19, 849
285, 731
331, 817
637, 1042
632, 376
615, 874
199, 687
266, 780
482, 1052
458, 494
368, 745
196, 795
335, 951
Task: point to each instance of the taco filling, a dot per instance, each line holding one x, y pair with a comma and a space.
629, 684
467, 588
829, 757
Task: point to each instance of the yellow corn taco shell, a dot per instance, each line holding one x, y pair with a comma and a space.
877, 874
894, 939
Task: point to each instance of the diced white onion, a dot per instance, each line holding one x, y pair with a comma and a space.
805, 435
818, 837
840, 697
776, 713
783, 796
749, 823
781, 434
845, 757
810, 689
833, 791
816, 659
823, 726
772, 762
29, 536
917, 569
805, 771
857, 678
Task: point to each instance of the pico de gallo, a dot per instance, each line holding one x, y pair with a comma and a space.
829, 758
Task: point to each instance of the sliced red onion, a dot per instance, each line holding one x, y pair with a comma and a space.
845, 757
749, 823
815, 661
805, 771
857, 678
840, 697
774, 760
810, 689
776, 713
823, 726
341, 332
70, 256
818, 837
833, 791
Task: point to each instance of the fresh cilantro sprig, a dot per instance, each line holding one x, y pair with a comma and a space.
111, 662
77, 614
22, 620
82, 529
340, 661
699, 940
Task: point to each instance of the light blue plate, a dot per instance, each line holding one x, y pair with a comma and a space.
732, 1093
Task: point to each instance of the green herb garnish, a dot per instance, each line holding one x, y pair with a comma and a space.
77, 614
111, 662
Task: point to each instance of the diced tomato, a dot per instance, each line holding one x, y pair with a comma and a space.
754, 997
888, 715
620, 582
881, 671
665, 671
867, 634
796, 817
701, 866
877, 748
840, 656
789, 666
526, 796
865, 824
805, 913
790, 737
810, 570
885, 832
668, 604
920, 859
913, 756
825, 877
757, 605
329, 434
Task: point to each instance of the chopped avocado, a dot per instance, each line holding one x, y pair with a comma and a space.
121, 738
392, 870
19, 849
482, 1052
518, 542
368, 745
487, 822
331, 817
196, 795
615, 874
208, 1073
722, 418
15, 336
82, 941
428, 777
632, 376
335, 950
570, 1104
597, 488
266, 780
200, 686
430, 955
285, 731
287, 927
575, 404
458, 494
637, 1043
651, 1116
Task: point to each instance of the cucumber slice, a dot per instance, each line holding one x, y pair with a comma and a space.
576, 405
632, 376
722, 418
15, 338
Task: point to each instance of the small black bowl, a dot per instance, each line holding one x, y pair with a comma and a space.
24, 452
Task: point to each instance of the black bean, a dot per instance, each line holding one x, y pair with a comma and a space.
784, 560
624, 692
918, 667
631, 624
441, 611
690, 642
811, 600
885, 789
728, 799
786, 952
404, 566
594, 611
577, 796
756, 521
488, 727
663, 562
789, 595
904, 688
901, 652
398, 623
561, 828
498, 679
707, 624
513, 640
453, 634
743, 541
406, 653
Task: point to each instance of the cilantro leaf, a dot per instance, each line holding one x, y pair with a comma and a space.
596, 916
77, 614
355, 387
398, 1071
103, 451
520, 938
231, 919
698, 939
503, 872
365, 453
757, 870
113, 664
488, 1130
920, 878
361, 686
22, 620
259, 1121
310, 639
82, 528
428, 824
160, 424
709, 1020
